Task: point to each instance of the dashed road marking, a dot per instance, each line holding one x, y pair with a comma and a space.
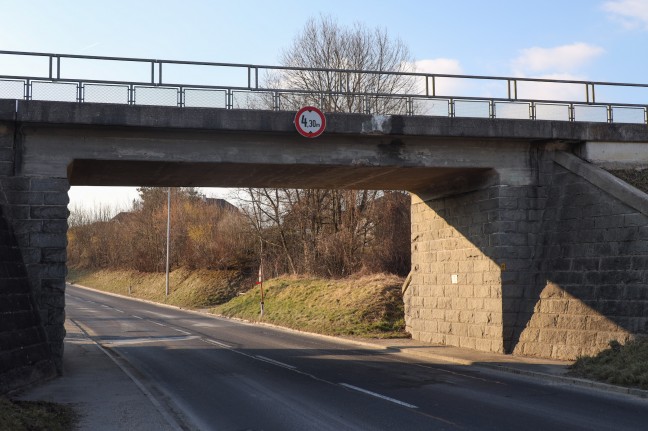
383, 397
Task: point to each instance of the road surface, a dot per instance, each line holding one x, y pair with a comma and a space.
209, 373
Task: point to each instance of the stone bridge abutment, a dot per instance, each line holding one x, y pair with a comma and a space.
518, 246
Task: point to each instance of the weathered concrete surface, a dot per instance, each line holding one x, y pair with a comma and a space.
615, 155
484, 187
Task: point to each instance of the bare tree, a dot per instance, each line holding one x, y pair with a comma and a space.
331, 232
367, 58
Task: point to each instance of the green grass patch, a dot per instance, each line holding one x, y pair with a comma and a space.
369, 306
623, 365
35, 415
191, 289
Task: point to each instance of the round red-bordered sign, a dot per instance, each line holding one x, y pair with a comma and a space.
310, 122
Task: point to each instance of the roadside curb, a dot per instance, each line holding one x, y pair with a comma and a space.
561, 379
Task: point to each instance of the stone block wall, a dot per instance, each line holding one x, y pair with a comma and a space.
471, 266
33, 240
556, 268
592, 275
25, 355
36, 213
454, 295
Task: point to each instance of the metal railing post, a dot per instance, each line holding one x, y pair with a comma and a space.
229, 104
80, 91
609, 113
571, 112
181, 97
532, 111
28, 89
451, 108
491, 109
131, 94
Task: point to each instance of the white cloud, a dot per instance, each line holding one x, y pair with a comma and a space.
439, 65
442, 66
631, 13
560, 59
552, 91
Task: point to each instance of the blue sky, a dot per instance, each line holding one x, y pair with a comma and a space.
601, 40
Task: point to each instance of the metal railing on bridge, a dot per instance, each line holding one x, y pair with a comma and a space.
140, 81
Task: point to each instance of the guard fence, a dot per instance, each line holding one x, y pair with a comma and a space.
140, 81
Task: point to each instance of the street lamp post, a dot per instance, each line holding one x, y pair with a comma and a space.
168, 238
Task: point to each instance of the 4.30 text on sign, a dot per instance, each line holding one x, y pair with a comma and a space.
310, 122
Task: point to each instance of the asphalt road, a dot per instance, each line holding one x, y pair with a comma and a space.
217, 374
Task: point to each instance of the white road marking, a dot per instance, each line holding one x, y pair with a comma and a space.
117, 310
158, 323
147, 340
216, 343
203, 325
181, 331
137, 317
383, 397
273, 362
164, 316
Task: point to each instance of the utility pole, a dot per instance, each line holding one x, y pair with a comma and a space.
168, 238
260, 282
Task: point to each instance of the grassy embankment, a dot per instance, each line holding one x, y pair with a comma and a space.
635, 177
623, 365
368, 306
35, 415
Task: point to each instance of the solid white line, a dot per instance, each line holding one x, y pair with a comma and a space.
168, 417
383, 397
273, 362
181, 331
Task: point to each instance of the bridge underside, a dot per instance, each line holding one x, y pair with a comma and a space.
186, 174
517, 245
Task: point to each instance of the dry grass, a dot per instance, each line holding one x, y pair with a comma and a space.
624, 365
369, 306
193, 289
635, 177
35, 415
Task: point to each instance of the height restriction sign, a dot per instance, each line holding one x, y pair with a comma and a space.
310, 122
